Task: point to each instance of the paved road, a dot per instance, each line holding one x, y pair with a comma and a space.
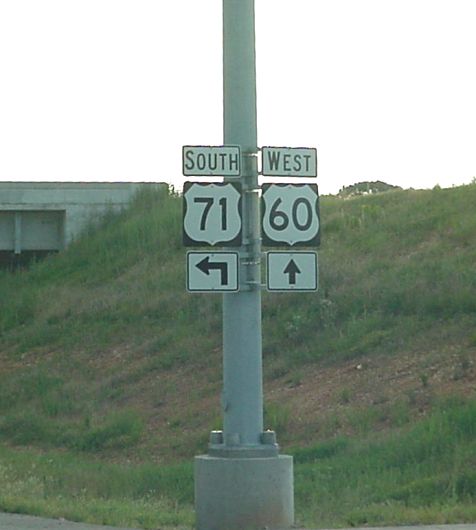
26, 522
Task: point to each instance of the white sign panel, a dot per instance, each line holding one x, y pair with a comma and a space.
212, 271
290, 215
211, 214
289, 162
292, 271
211, 161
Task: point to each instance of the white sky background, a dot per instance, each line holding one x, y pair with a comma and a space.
111, 89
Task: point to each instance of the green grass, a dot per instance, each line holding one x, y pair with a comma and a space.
390, 264
422, 474
90, 338
66, 485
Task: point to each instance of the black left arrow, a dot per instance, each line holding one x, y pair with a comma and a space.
205, 266
292, 269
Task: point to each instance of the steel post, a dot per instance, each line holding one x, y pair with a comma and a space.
242, 399
243, 482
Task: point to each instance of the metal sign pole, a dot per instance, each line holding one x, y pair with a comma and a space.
242, 359
242, 482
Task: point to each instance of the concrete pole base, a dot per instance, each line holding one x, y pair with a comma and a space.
244, 493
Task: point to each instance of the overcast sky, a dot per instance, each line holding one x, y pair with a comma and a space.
111, 89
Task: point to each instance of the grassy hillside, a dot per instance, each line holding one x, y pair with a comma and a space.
103, 355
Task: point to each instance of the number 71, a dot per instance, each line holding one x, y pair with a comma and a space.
208, 202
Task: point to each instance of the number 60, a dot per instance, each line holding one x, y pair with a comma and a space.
301, 211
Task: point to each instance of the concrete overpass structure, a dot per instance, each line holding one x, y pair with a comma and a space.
43, 217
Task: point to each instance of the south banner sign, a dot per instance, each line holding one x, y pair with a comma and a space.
211, 161
290, 215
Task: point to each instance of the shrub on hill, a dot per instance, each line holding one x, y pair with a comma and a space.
366, 188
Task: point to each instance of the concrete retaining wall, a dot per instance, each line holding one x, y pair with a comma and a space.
44, 216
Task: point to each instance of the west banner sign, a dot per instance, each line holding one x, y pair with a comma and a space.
289, 162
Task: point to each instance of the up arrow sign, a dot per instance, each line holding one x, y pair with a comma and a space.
291, 270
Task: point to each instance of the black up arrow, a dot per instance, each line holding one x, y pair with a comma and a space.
205, 266
292, 269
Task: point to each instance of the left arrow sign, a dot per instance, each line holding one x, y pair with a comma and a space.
222, 266
212, 271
